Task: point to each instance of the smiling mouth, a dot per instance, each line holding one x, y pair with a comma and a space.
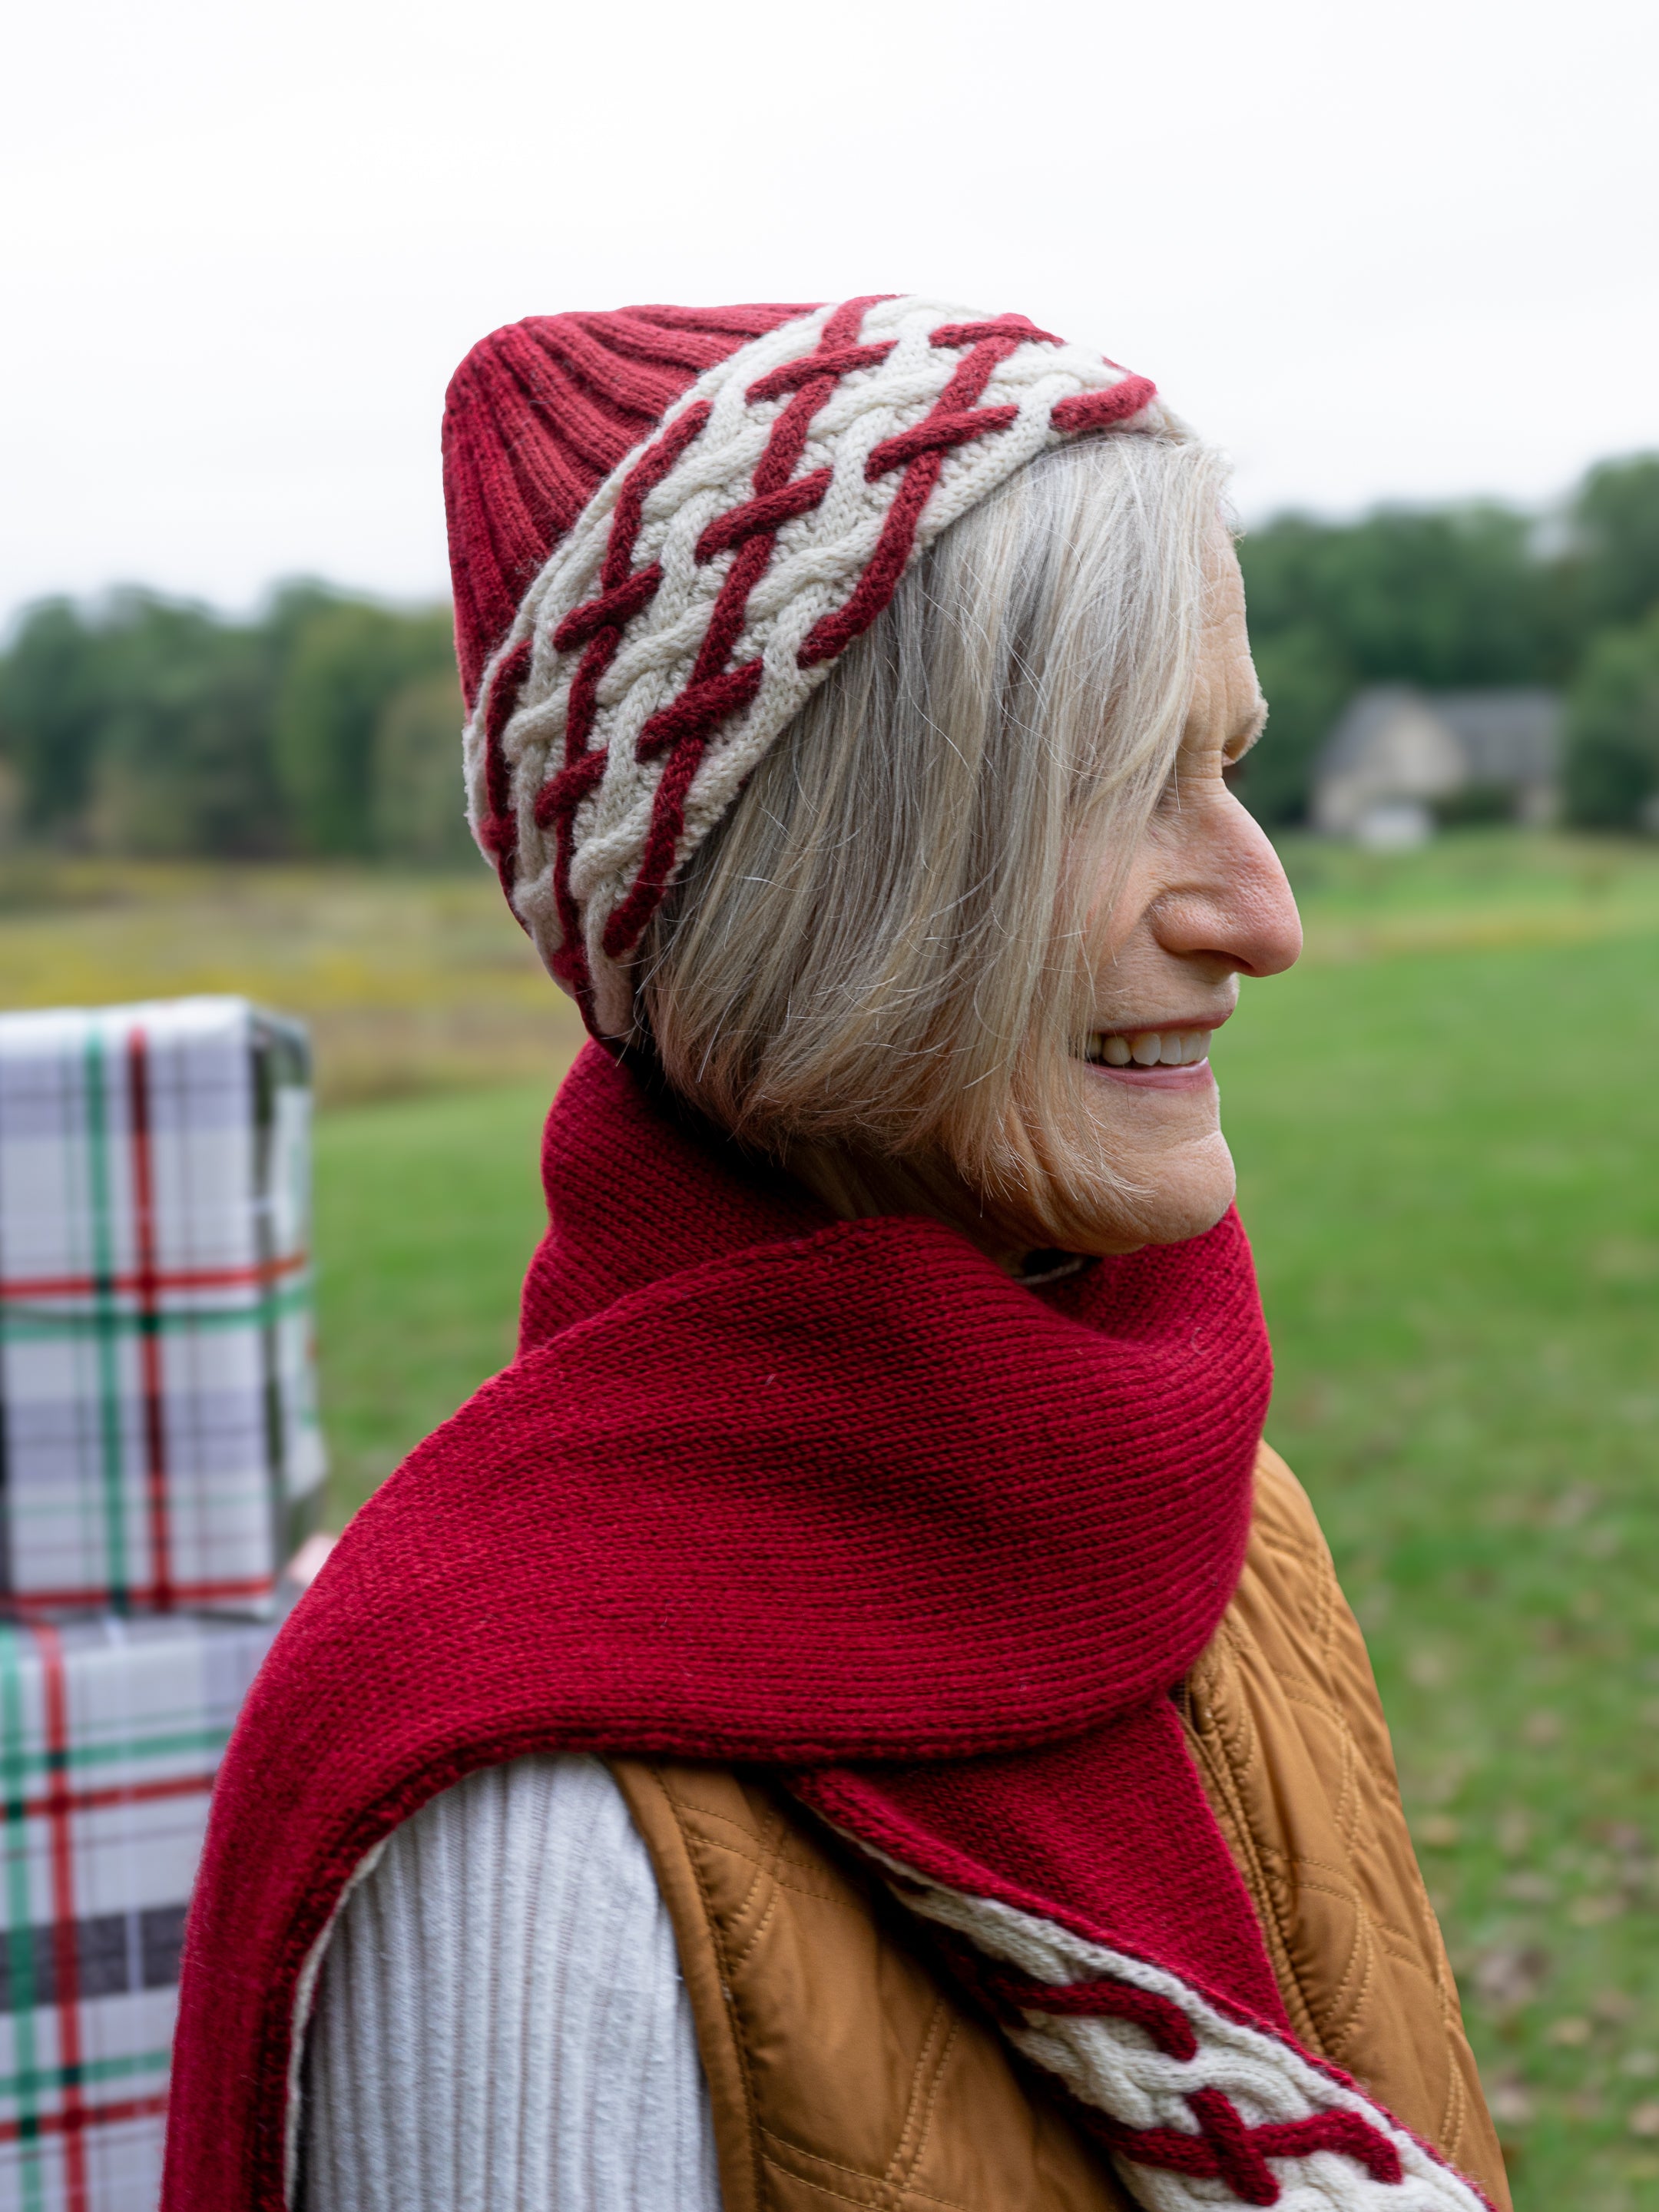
1148, 1049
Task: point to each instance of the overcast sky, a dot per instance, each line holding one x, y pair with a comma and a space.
1404, 251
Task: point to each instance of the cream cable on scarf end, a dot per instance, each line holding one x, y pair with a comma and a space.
1113, 2065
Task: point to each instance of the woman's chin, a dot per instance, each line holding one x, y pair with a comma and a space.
1171, 1193
1191, 1213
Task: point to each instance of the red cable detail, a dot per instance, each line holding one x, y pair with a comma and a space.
700, 708
1098, 410
1175, 2150
769, 513
727, 617
836, 632
609, 611
503, 697
499, 832
1238, 2161
1019, 328
643, 478
1163, 2021
557, 800
936, 434
833, 363
1348, 2133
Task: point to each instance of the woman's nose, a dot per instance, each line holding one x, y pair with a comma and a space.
1230, 901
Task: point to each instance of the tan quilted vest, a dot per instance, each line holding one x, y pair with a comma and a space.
842, 2071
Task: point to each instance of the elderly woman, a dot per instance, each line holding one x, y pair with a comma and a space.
855, 1714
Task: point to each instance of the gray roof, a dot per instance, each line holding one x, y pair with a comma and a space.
1511, 736
1507, 737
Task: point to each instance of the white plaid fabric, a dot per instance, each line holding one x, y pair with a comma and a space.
109, 1734
158, 1444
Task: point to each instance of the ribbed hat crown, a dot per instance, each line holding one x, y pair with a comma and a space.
537, 416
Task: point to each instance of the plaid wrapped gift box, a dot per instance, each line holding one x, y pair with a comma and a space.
158, 1444
109, 1734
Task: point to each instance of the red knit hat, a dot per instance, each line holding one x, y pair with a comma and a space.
664, 523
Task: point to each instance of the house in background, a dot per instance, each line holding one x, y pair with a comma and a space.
1401, 760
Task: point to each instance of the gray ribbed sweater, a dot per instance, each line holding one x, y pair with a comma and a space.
499, 2024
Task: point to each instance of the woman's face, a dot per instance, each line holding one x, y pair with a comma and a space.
1205, 902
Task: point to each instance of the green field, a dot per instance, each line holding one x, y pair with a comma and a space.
1449, 1164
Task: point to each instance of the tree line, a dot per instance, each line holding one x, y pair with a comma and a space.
329, 725
1467, 597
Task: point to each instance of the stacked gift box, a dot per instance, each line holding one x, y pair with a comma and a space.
160, 1460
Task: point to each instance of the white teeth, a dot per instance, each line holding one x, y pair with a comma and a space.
1153, 1048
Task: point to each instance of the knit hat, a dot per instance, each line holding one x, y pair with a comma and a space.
664, 524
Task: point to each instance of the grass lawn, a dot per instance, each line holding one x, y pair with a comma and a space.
1445, 1123
1448, 1163
427, 1213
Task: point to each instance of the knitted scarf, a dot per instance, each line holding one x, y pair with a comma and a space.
845, 1499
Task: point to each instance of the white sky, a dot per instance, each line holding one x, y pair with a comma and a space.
1404, 251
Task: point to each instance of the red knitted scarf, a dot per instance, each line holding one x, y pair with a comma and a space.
842, 1497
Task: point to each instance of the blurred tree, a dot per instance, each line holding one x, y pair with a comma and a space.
146, 725
1306, 686
52, 698
346, 663
183, 757
1612, 779
420, 806
1616, 520
1444, 598
141, 727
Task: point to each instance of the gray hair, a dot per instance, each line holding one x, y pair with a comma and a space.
877, 968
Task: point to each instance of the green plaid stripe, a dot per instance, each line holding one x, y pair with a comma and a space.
48, 2080
24, 1322
185, 1743
14, 1762
103, 1320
